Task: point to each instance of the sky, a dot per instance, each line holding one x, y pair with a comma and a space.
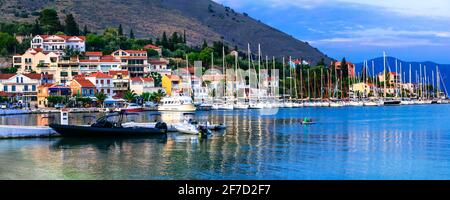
411, 30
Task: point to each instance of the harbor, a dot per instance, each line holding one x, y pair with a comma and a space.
345, 143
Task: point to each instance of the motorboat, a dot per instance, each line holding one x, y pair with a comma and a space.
108, 126
178, 102
241, 106
132, 108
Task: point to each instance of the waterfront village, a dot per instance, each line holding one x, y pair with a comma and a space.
47, 77
61, 66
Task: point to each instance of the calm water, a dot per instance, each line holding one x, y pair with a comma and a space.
407, 142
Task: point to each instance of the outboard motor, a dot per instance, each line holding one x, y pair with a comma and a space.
203, 131
162, 126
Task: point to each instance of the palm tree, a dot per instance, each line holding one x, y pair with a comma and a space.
146, 96
101, 97
130, 95
157, 96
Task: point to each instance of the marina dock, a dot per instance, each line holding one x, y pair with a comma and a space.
9, 132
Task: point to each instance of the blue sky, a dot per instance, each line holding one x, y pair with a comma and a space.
412, 30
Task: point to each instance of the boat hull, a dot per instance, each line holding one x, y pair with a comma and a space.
88, 131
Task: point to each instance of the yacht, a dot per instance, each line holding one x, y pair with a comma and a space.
178, 102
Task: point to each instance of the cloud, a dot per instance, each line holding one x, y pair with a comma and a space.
387, 37
428, 8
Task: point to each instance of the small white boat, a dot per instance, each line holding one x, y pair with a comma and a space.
336, 104
372, 103
186, 128
223, 106
356, 103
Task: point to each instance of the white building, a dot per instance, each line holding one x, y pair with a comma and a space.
140, 85
23, 86
103, 83
58, 43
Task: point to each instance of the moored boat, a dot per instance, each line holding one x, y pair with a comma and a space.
107, 127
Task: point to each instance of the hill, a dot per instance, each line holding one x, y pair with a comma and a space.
202, 19
444, 69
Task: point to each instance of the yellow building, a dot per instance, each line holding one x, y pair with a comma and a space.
361, 88
35, 60
170, 82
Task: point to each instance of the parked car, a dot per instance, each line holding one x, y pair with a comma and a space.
3, 106
59, 106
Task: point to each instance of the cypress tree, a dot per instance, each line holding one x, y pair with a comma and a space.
85, 30
205, 44
71, 27
120, 30
164, 41
36, 30
131, 34
50, 21
184, 36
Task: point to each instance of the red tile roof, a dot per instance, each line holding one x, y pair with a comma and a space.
6, 76
150, 46
149, 79
100, 75
157, 62
84, 82
113, 72
65, 37
135, 51
39, 76
94, 53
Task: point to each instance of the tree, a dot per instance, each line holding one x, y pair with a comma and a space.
157, 96
131, 34
152, 53
165, 41
85, 30
120, 30
7, 43
71, 27
184, 36
101, 97
36, 30
205, 44
130, 95
157, 78
50, 21
146, 96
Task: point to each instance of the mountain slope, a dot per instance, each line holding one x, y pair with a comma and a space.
444, 69
202, 19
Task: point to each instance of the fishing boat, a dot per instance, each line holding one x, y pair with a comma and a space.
108, 126
177, 102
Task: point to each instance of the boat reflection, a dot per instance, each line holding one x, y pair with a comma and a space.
105, 143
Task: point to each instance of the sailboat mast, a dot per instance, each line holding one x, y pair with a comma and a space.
249, 74
259, 70
284, 79
384, 71
224, 72
437, 83
410, 80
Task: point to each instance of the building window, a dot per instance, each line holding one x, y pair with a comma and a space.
102, 82
13, 88
33, 88
108, 82
5, 88
25, 88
